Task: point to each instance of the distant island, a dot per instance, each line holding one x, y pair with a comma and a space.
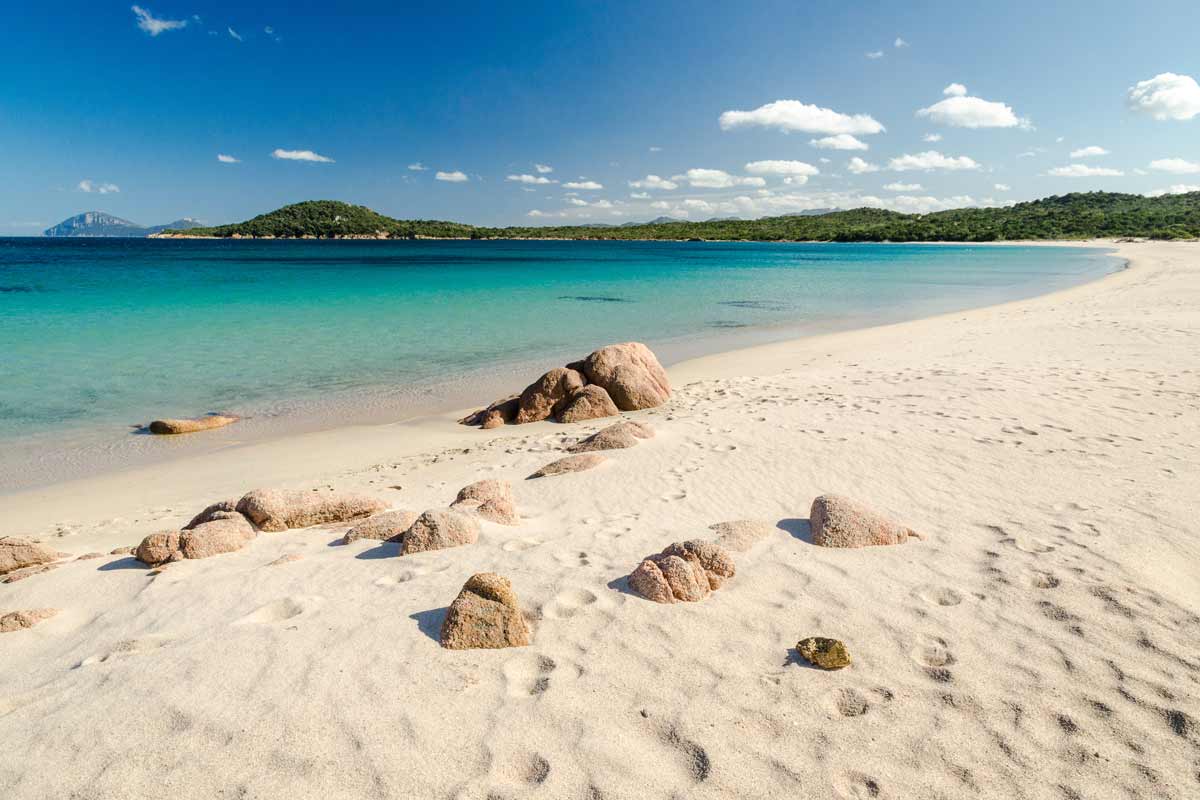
97, 224
1072, 216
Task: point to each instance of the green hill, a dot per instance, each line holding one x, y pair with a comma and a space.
1071, 216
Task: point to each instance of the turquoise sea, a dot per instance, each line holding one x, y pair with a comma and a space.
100, 335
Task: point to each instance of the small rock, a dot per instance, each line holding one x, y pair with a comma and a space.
544, 397
614, 437
824, 653
590, 402
16, 553
281, 509
437, 529
493, 419
506, 409
174, 426
576, 463
20, 620
485, 615
89, 556
490, 499
741, 534
838, 521
386, 527
121, 551
631, 375
682, 572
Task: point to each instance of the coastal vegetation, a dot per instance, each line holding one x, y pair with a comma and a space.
1071, 216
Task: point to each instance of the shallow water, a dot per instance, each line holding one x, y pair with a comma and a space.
98, 335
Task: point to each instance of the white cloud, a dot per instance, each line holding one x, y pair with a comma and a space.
790, 168
661, 205
154, 26
575, 201
1060, 140
587, 186
654, 182
959, 110
655, 149
719, 179
1167, 96
1088, 152
98, 188
640, 195
875, 54
793, 115
417, 166
1083, 171
931, 160
539, 214
903, 187
1178, 188
224, 159
843, 141
451, 177
539, 180
860, 167
1027, 154
542, 169
234, 34
1176, 165
1002, 187
899, 42
300, 155
932, 138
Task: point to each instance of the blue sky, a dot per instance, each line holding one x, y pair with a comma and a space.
108, 107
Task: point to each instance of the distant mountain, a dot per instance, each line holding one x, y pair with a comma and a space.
815, 212
655, 221
99, 224
327, 219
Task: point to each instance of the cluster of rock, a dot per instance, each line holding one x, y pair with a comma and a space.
167, 427
619, 377
683, 572
20, 558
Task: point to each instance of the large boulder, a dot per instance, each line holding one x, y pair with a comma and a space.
20, 620
437, 529
589, 402
164, 427
615, 437
485, 614
386, 527
838, 521
576, 463
224, 535
16, 553
682, 572
281, 509
490, 499
544, 397
631, 375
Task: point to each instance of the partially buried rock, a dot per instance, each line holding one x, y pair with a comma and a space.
576, 463
16, 553
489, 499
682, 572
544, 397
387, 527
838, 521
824, 653
20, 620
590, 402
208, 539
173, 426
631, 375
485, 615
27, 572
281, 509
614, 437
740, 535
437, 529
219, 510
496, 414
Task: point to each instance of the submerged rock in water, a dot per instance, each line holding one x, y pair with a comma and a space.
838, 521
386, 527
173, 426
682, 572
590, 402
281, 509
577, 463
485, 614
437, 529
824, 653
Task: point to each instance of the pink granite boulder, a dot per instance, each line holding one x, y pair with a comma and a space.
838, 521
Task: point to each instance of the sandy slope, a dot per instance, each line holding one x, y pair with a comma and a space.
1044, 642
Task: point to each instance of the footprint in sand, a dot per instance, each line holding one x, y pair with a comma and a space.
932, 651
939, 595
857, 786
281, 610
850, 702
568, 603
528, 676
1033, 546
670, 497
1044, 580
129, 647
519, 545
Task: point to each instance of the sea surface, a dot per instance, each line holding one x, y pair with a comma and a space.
99, 336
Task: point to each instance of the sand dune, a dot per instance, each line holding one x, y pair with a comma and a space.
1043, 641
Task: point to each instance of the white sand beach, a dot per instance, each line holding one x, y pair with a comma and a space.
1043, 641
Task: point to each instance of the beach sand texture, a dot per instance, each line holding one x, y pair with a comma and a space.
1043, 641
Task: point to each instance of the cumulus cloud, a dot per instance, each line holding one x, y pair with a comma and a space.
98, 188
225, 159
417, 166
1002, 187
875, 54
860, 167
1088, 152
899, 42
719, 179
300, 155
788, 168
539, 214
234, 34
903, 187
542, 169
154, 26
793, 115
843, 141
654, 182
456, 176
640, 195
587, 186
1178, 188
1178, 166
932, 138
539, 180
960, 110
660, 205
1083, 171
931, 160
1167, 96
